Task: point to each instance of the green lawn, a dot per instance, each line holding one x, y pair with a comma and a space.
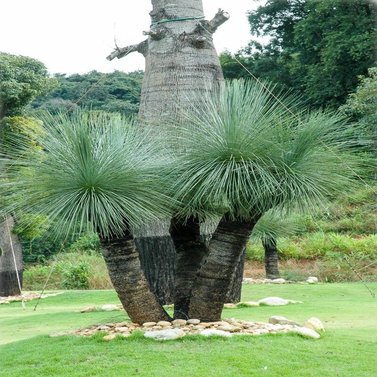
348, 348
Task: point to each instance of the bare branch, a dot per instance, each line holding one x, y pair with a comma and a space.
124, 51
220, 17
156, 34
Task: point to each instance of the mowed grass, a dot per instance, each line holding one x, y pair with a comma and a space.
348, 348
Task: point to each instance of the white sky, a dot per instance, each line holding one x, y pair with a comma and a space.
75, 36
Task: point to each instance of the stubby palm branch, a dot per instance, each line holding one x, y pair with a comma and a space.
97, 171
242, 153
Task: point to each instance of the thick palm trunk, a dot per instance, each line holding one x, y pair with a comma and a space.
127, 277
271, 258
215, 275
181, 61
10, 254
190, 250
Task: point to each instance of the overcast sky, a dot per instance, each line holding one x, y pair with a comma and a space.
75, 36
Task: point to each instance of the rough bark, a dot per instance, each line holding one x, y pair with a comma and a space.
234, 292
190, 250
158, 265
215, 275
180, 65
9, 285
271, 258
127, 277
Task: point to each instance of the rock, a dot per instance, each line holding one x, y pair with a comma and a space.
229, 328
122, 329
260, 332
305, 332
179, 322
168, 334
277, 301
109, 308
149, 324
206, 324
278, 281
193, 321
314, 324
109, 337
277, 319
248, 303
164, 324
103, 328
230, 306
88, 309
312, 280
215, 332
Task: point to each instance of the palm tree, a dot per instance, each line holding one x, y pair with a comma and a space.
99, 172
240, 154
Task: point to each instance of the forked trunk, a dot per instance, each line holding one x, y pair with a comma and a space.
127, 277
190, 250
10, 260
215, 275
271, 258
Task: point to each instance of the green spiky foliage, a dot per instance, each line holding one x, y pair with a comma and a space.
243, 152
274, 224
92, 170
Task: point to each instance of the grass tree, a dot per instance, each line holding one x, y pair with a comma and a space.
268, 229
100, 172
240, 154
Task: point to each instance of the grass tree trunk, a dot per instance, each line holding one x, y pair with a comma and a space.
180, 64
128, 279
10, 259
158, 267
234, 292
190, 250
271, 258
216, 272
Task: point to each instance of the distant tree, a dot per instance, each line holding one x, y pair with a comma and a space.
111, 92
317, 48
362, 106
21, 80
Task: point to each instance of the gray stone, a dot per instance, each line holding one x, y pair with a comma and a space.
312, 280
179, 322
306, 332
164, 323
109, 308
149, 324
215, 332
314, 324
168, 334
278, 281
193, 321
277, 319
277, 301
